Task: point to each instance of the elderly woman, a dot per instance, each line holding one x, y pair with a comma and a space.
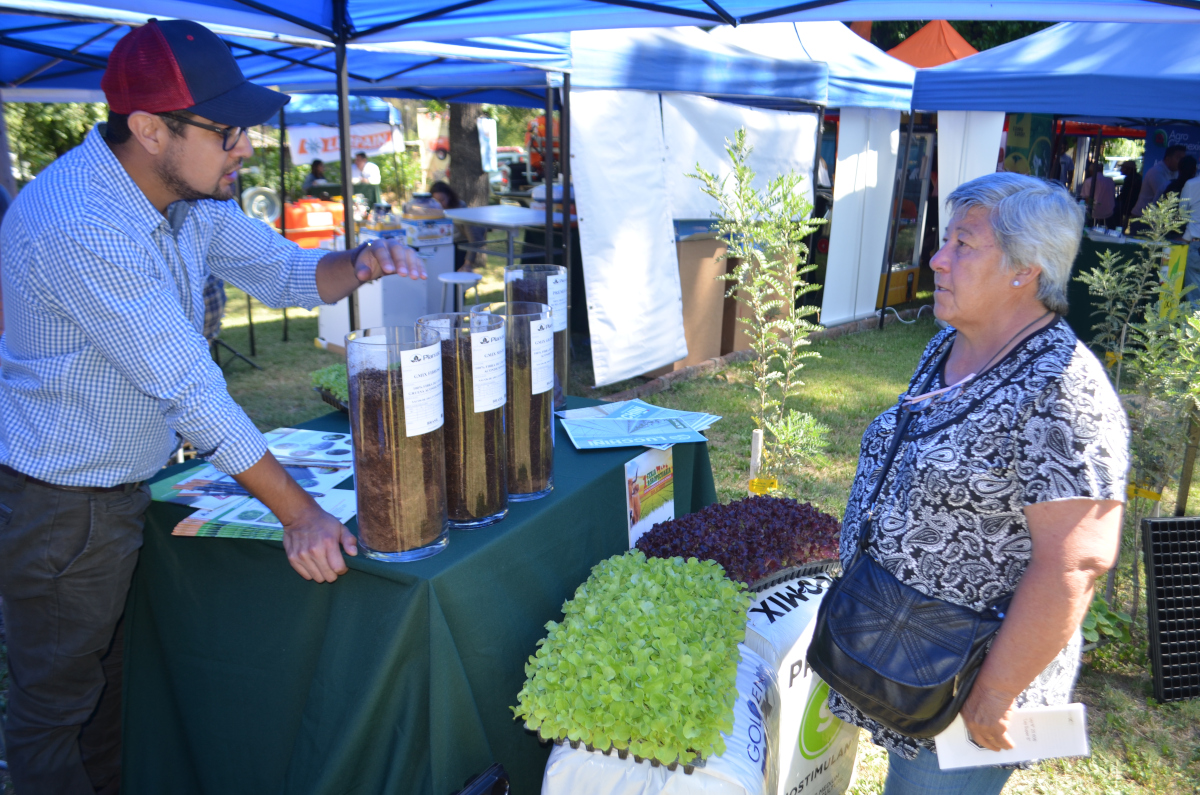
1010, 480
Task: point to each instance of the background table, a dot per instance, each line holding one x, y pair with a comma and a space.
511, 220
241, 677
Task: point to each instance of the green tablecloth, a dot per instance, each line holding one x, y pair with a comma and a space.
241, 677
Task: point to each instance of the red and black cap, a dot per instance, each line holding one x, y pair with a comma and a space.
181, 65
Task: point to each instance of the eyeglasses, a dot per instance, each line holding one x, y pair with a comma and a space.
944, 395
229, 135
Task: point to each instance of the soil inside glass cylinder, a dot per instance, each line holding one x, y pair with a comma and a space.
538, 290
400, 480
476, 482
529, 416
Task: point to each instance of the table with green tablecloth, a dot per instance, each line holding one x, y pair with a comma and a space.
242, 677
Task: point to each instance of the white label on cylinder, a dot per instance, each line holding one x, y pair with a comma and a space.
558, 300
421, 374
541, 355
488, 369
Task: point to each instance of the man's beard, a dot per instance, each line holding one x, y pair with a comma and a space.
168, 172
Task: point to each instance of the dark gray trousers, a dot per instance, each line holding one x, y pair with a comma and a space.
66, 560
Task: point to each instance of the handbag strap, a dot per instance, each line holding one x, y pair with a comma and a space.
901, 425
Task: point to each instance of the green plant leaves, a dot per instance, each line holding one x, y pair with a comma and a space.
645, 658
1101, 621
333, 379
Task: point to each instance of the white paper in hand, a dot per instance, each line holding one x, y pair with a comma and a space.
1036, 733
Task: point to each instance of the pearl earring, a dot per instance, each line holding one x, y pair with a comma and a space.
1016, 283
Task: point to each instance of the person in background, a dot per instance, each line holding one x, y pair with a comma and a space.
1186, 171
1156, 178
104, 368
1103, 203
471, 234
316, 176
1066, 169
364, 172
1189, 203
1130, 189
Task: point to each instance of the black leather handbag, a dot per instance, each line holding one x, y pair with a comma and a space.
905, 659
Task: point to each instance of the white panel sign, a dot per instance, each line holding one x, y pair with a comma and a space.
421, 374
488, 369
541, 341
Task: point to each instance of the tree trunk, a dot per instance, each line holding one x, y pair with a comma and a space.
467, 176
6, 175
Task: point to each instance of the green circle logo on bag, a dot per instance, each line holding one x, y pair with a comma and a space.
820, 727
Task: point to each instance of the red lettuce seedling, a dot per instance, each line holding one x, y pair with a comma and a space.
751, 538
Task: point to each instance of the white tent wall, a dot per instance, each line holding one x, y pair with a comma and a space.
626, 234
696, 129
868, 143
626, 214
968, 147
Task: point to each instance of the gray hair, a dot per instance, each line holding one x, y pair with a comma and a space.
1036, 222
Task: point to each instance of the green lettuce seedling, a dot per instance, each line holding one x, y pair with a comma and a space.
644, 660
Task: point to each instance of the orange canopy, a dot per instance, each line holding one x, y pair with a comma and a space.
933, 45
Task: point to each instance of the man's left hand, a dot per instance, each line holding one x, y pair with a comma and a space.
385, 257
987, 714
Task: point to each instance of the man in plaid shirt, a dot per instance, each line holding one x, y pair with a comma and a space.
104, 366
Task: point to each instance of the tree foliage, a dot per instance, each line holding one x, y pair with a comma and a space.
39, 132
982, 35
765, 231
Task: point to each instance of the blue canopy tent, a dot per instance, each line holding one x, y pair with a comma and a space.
345, 22
860, 74
1110, 72
47, 59
323, 109
361, 21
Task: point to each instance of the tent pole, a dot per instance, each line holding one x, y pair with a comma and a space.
548, 173
816, 181
396, 166
283, 195
564, 132
894, 225
341, 25
1098, 158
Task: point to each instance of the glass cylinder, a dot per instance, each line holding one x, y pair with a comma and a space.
474, 389
396, 417
529, 415
546, 284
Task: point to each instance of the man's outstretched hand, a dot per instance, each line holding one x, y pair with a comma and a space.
387, 256
312, 538
314, 544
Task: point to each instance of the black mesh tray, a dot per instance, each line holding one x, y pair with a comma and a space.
331, 399
1172, 549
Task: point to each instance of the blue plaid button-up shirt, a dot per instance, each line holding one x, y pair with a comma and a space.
103, 360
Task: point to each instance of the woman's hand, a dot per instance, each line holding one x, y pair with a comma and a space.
987, 714
1074, 542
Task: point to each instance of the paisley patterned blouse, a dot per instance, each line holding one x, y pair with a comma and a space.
1043, 424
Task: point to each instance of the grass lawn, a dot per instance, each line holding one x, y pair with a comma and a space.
1137, 746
